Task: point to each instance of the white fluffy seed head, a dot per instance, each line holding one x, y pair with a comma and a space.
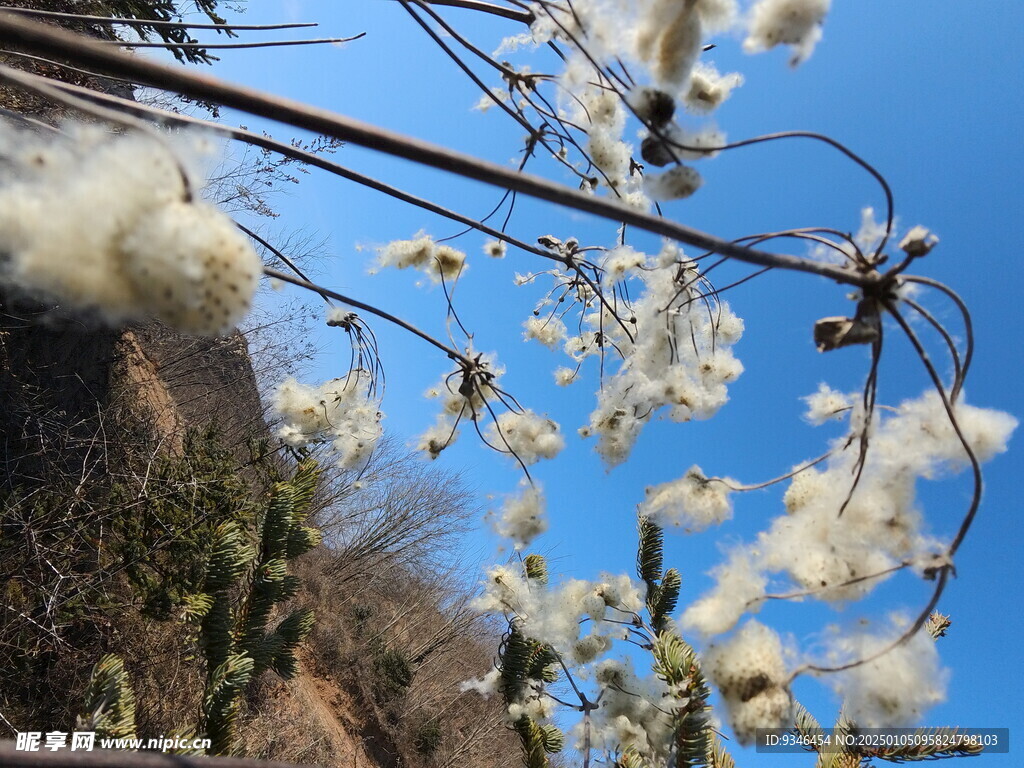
750, 672
549, 330
565, 376
192, 266
496, 249
529, 436
786, 22
669, 40
522, 517
692, 502
827, 404
403, 254
895, 689
439, 262
101, 222
341, 411
590, 648
740, 586
709, 88
676, 183
448, 263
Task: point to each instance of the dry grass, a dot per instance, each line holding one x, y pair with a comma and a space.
427, 624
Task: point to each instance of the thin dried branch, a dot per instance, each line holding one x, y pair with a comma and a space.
218, 46
300, 283
524, 17
155, 23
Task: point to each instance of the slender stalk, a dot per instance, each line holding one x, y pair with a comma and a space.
495, 10
954, 353
774, 480
46, 40
27, 122
940, 587
817, 591
469, 72
279, 254
157, 23
954, 422
968, 325
299, 282
62, 65
211, 46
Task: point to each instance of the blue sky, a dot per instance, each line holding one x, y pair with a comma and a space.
928, 93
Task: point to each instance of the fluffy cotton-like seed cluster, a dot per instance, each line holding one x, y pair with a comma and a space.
555, 614
460, 399
676, 183
786, 22
750, 672
740, 584
488, 100
609, 153
635, 712
677, 356
549, 330
893, 690
666, 37
670, 40
102, 222
604, 117
564, 376
827, 404
438, 436
709, 88
662, 34
198, 273
537, 707
843, 557
485, 686
806, 486
340, 410
590, 647
693, 502
699, 144
505, 591
439, 262
527, 435
496, 249
621, 263
522, 517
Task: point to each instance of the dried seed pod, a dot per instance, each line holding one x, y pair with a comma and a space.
655, 151
835, 332
918, 242
674, 184
652, 105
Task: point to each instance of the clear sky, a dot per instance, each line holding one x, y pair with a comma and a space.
928, 93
